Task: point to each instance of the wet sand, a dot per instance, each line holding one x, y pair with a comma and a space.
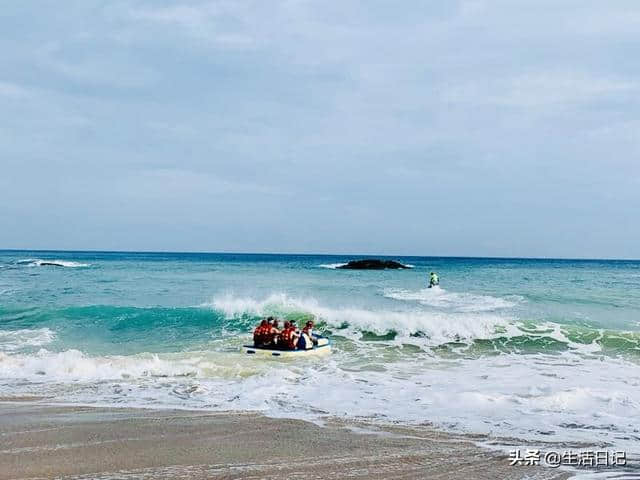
39, 441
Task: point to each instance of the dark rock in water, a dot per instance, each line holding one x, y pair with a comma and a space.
372, 264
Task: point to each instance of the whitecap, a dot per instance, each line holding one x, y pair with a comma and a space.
75, 365
434, 328
13, 340
460, 302
38, 262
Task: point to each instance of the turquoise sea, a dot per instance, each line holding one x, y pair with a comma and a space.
535, 350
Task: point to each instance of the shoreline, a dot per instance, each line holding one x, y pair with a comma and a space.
44, 441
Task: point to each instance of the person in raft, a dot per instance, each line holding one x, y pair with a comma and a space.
267, 335
273, 332
261, 332
307, 340
289, 336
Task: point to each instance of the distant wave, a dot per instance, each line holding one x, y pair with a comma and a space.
37, 262
461, 302
332, 266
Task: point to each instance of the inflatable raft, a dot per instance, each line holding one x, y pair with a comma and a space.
322, 348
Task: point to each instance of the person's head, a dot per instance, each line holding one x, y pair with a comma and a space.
433, 273
293, 323
275, 322
287, 324
263, 323
310, 324
270, 320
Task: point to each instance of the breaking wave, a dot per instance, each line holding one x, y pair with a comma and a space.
436, 327
37, 262
14, 340
461, 302
75, 365
481, 332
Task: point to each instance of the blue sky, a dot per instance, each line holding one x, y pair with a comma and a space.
495, 128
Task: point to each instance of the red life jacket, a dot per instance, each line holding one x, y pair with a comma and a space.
260, 334
271, 334
286, 337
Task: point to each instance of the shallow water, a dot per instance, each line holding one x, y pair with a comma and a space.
543, 350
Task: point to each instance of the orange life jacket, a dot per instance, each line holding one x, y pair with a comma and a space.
287, 339
271, 334
260, 334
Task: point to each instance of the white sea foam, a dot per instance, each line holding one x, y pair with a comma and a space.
534, 397
37, 262
435, 327
537, 397
461, 302
72, 365
423, 328
13, 340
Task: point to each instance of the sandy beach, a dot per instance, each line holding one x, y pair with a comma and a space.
40, 441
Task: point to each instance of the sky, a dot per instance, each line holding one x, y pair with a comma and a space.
470, 128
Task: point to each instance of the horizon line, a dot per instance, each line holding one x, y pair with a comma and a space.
202, 252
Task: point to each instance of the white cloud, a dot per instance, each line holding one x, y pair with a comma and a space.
89, 67
471, 8
191, 17
219, 23
607, 21
13, 90
434, 107
539, 90
564, 87
187, 184
172, 129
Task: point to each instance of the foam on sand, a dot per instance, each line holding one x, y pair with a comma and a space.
74, 365
533, 397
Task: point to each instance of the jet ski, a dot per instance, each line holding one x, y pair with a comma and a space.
323, 347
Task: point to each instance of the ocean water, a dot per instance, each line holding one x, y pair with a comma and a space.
535, 350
